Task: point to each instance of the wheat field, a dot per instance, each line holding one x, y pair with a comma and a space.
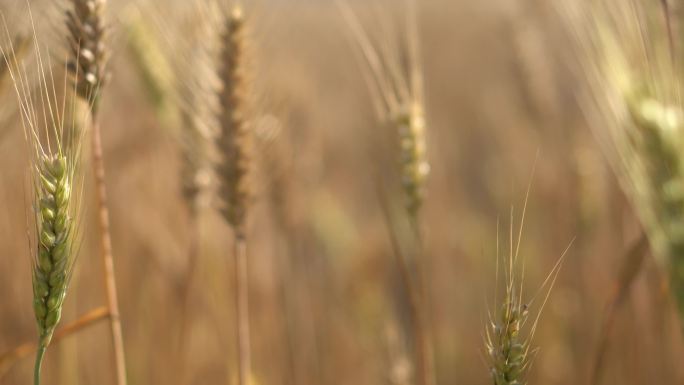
284, 210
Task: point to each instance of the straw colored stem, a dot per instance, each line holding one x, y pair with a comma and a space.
107, 259
242, 311
193, 254
24, 350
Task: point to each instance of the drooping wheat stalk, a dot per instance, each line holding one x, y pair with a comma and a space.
87, 65
232, 170
632, 63
395, 81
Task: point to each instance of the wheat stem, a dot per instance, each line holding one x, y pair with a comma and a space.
412, 284
39, 362
193, 254
242, 311
107, 259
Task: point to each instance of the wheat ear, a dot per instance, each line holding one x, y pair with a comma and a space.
232, 170
55, 169
88, 67
635, 82
510, 331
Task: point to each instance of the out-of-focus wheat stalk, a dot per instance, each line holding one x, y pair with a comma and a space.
395, 80
633, 67
152, 64
56, 177
87, 64
233, 168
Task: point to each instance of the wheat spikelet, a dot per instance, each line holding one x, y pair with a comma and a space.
87, 33
233, 140
634, 103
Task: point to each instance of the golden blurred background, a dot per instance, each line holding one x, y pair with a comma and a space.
326, 305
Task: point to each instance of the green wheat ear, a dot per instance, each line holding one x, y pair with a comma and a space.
54, 256
55, 150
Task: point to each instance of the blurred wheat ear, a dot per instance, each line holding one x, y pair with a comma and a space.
56, 177
87, 65
396, 87
233, 168
631, 61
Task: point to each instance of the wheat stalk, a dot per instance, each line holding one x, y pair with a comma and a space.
232, 170
396, 86
87, 65
56, 174
153, 66
634, 103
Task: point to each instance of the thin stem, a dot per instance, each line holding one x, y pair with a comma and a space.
39, 362
412, 282
24, 350
107, 259
242, 310
193, 252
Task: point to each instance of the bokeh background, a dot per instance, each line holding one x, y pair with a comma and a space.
326, 305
